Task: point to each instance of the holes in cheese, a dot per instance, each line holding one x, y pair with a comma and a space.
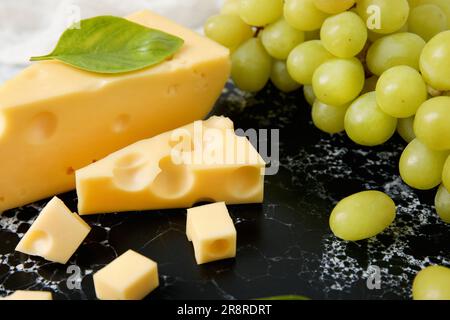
55, 235
212, 232
129, 277
203, 160
41, 127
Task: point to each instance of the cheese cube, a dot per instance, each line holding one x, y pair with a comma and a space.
30, 295
212, 232
56, 234
129, 277
55, 119
204, 161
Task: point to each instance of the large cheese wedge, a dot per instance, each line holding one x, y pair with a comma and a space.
204, 161
55, 119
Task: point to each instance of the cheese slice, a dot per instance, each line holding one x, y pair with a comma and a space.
55, 119
29, 295
204, 161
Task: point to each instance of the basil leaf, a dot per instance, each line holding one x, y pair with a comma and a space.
108, 44
289, 297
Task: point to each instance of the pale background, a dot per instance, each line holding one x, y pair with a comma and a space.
32, 27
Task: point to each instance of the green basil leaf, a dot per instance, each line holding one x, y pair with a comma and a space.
108, 44
289, 297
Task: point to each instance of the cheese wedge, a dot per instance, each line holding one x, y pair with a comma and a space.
29, 295
204, 161
55, 119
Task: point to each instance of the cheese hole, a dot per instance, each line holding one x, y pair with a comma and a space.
218, 247
174, 181
129, 161
132, 179
37, 242
121, 123
244, 182
70, 171
42, 127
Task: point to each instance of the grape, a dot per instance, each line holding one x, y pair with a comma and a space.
344, 35
392, 16
309, 94
432, 123
334, 6
373, 36
259, 13
339, 81
362, 215
435, 62
401, 91
421, 167
227, 29
366, 124
442, 204
444, 5
427, 21
370, 84
432, 283
446, 174
251, 66
280, 39
405, 129
329, 119
394, 50
303, 15
305, 59
281, 78
231, 7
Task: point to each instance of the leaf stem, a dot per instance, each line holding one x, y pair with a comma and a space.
41, 58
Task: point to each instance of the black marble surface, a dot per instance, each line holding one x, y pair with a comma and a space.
284, 245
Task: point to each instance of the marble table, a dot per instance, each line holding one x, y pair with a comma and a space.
284, 245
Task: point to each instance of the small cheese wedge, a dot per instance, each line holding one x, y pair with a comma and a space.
212, 232
204, 161
55, 119
129, 277
56, 234
30, 295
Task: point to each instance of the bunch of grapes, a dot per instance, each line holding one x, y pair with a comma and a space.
367, 67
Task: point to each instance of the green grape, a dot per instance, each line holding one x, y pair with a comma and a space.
405, 129
421, 167
432, 123
344, 35
280, 39
312, 35
373, 36
362, 216
446, 174
259, 13
251, 66
444, 5
435, 62
228, 29
339, 81
401, 91
329, 119
442, 204
395, 50
305, 59
334, 6
281, 78
366, 124
432, 283
303, 15
231, 7
309, 94
392, 14
427, 21
370, 84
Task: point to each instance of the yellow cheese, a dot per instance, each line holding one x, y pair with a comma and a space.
56, 234
130, 277
30, 295
204, 161
55, 119
212, 232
